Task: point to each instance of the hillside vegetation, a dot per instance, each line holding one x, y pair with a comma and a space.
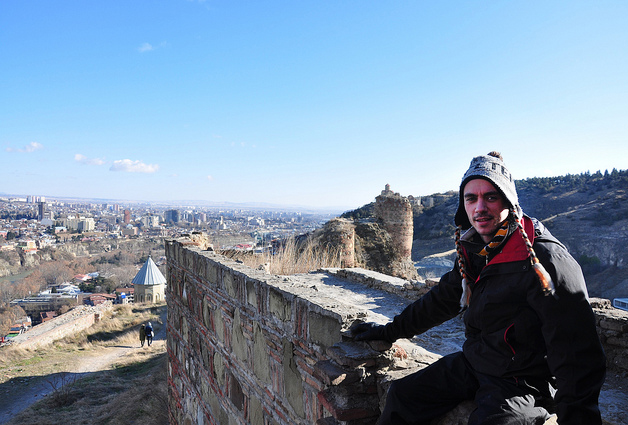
117, 265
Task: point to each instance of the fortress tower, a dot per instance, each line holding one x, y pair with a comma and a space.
395, 214
341, 233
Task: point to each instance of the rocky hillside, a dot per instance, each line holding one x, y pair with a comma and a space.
587, 212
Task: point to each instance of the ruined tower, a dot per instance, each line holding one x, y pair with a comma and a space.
395, 214
341, 234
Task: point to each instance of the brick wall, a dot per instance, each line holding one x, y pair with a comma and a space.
243, 345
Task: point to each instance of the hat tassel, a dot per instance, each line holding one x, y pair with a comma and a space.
546, 280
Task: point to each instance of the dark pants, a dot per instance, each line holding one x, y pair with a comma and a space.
435, 390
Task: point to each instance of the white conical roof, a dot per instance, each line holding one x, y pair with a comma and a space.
149, 274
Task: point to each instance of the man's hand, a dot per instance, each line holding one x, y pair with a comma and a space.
368, 332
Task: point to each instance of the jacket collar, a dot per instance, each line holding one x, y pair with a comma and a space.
514, 249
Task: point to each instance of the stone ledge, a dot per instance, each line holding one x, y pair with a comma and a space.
376, 280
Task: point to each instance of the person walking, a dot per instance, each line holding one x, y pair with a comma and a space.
149, 333
531, 342
142, 334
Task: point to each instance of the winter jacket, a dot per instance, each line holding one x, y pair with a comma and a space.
514, 330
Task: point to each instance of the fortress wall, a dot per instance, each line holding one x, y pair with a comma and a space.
243, 346
249, 348
70, 323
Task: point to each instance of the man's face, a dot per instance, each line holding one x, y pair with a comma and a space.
485, 206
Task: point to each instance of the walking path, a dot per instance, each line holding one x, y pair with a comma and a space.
20, 393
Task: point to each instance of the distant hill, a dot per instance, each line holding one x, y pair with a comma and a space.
587, 212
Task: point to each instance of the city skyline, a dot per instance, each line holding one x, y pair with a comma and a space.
313, 104
34, 200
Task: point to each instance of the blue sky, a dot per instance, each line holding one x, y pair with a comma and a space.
314, 103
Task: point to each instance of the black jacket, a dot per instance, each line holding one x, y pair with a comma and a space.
513, 329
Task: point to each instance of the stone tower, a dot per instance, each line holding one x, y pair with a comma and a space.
395, 214
341, 234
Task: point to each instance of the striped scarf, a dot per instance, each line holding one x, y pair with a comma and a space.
490, 248
545, 279
497, 240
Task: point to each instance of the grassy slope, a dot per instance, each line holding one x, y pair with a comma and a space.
133, 391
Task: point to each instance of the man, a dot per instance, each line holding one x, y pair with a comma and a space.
142, 334
531, 341
149, 333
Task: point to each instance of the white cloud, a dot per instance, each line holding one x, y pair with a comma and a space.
133, 166
145, 47
88, 161
210, 178
31, 147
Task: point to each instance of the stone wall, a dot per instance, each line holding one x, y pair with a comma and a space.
250, 348
612, 326
243, 345
70, 323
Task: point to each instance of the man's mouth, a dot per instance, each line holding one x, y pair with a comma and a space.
482, 219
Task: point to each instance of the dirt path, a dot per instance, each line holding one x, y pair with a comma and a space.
20, 393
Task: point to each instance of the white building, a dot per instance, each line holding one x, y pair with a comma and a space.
149, 284
86, 225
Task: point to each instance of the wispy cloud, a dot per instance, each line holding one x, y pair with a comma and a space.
210, 178
88, 161
131, 166
31, 147
147, 47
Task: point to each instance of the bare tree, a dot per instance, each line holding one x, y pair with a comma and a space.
55, 273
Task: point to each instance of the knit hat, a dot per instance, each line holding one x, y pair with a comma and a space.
489, 167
